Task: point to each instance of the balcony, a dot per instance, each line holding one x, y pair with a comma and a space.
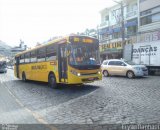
131, 14
104, 24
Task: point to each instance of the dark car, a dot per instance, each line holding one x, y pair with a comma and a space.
3, 66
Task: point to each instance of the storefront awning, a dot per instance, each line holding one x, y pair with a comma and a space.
131, 23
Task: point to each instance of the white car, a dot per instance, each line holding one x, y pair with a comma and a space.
123, 68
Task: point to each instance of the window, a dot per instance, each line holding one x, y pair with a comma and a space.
22, 58
150, 19
105, 63
145, 12
107, 18
116, 35
131, 30
27, 57
33, 56
156, 17
104, 36
150, 16
51, 53
111, 63
119, 63
41, 54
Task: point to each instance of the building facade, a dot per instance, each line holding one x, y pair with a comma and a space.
112, 25
149, 21
140, 22
17, 49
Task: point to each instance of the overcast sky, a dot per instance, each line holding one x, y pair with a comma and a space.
38, 20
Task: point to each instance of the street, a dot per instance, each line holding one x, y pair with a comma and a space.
112, 100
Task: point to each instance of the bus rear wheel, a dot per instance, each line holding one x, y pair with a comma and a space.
52, 81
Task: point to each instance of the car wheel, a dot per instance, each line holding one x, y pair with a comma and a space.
24, 77
105, 73
52, 81
130, 74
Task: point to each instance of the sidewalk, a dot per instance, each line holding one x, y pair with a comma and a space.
11, 111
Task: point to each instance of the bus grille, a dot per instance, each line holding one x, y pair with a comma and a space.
84, 74
90, 79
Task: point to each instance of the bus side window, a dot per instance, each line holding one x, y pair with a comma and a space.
27, 57
22, 58
41, 54
33, 56
15, 61
51, 53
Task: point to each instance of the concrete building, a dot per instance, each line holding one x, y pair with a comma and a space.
17, 49
110, 29
149, 20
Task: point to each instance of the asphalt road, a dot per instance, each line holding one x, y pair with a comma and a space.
112, 100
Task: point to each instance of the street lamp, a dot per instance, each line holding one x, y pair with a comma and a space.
122, 25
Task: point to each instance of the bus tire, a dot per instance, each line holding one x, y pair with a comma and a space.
52, 81
24, 77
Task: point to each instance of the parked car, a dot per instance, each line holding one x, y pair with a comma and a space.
3, 66
123, 68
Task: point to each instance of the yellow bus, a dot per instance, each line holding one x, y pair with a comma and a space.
70, 60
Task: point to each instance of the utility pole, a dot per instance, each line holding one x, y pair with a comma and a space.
123, 28
98, 32
122, 25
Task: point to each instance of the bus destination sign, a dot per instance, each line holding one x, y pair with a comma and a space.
82, 40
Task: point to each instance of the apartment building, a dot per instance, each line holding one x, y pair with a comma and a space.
110, 29
149, 21
17, 49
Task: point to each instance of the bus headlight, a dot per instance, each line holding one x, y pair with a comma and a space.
99, 72
78, 74
75, 73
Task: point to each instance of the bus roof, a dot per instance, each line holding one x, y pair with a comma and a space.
43, 45
64, 40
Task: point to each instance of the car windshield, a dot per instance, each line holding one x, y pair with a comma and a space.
84, 54
130, 62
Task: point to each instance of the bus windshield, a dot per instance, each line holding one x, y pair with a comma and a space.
84, 54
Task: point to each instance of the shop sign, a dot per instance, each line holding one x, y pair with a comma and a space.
116, 45
149, 37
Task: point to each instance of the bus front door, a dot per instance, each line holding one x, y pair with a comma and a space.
63, 63
17, 66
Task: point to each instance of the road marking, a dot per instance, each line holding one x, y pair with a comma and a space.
38, 117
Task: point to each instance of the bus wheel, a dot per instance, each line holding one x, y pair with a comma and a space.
24, 77
52, 81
